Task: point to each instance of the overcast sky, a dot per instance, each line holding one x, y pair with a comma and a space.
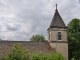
20, 19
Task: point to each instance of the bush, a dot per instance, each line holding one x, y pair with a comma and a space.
50, 56
18, 53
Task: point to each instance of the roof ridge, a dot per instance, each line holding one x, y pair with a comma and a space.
57, 21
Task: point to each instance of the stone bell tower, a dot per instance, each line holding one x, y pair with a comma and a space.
57, 34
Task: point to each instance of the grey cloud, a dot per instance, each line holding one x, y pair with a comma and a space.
29, 17
13, 27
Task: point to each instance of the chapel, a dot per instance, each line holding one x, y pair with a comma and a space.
57, 34
57, 39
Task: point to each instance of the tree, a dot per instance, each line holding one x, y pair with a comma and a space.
18, 53
74, 38
38, 38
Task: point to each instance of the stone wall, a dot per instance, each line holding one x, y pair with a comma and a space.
61, 48
6, 46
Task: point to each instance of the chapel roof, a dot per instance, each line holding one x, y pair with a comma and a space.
44, 47
57, 21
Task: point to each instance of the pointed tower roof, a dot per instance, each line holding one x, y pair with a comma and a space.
57, 21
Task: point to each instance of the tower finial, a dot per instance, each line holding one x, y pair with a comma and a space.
56, 8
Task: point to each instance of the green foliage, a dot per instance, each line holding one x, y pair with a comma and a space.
50, 56
38, 38
72, 59
18, 53
55, 56
37, 56
74, 38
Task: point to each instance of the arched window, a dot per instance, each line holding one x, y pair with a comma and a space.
59, 35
